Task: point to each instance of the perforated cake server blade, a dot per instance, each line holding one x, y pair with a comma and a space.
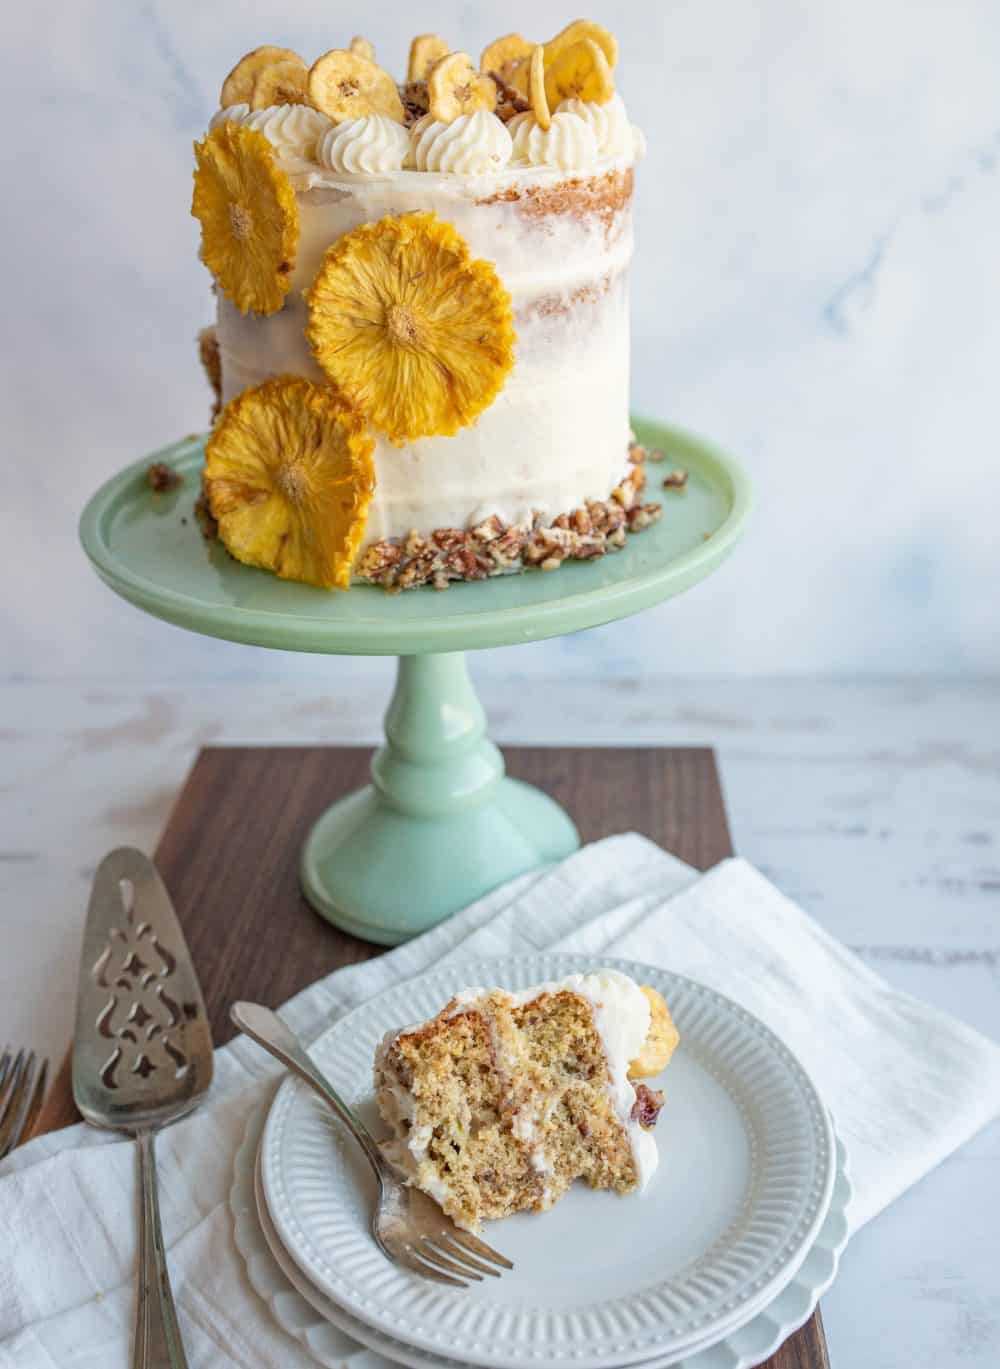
142, 1055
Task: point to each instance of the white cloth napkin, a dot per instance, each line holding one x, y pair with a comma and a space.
906, 1083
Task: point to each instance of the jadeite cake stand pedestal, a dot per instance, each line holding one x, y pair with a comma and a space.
440, 823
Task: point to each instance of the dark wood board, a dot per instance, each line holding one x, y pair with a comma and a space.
229, 857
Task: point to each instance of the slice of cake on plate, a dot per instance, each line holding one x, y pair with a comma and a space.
502, 1100
421, 346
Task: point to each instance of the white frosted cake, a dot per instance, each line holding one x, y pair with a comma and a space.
502, 1100
422, 336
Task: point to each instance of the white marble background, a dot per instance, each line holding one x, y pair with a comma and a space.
817, 286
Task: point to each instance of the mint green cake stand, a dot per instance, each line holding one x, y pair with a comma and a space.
440, 824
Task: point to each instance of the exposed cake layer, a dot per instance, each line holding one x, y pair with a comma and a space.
554, 437
501, 1101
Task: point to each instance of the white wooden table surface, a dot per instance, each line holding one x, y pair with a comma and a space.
875, 805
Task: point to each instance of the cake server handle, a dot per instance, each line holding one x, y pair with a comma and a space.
264, 1026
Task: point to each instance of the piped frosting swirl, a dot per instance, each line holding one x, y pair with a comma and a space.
471, 145
609, 122
372, 144
292, 130
232, 114
568, 143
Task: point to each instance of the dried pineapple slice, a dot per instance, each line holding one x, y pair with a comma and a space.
536, 89
289, 477
583, 28
579, 72
661, 1039
417, 334
281, 83
503, 57
425, 50
238, 85
249, 217
455, 87
345, 85
362, 48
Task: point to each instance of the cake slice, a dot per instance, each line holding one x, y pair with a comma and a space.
502, 1100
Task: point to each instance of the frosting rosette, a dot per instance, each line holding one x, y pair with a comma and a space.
568, 143
293, 131
369, 145
232, 114
610, 124
471, 145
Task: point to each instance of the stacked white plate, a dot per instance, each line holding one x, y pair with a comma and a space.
722, 1257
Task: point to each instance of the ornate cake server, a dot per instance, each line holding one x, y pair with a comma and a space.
142, 1056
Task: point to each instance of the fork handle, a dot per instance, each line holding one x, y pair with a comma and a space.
266, 1028
157, 1337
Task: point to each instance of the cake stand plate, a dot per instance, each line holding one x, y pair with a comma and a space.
440, 824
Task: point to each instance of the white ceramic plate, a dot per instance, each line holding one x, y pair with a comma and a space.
336, 1340
747, 1171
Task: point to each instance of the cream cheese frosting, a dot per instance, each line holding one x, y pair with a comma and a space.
569, 142
609, 122
374, 144
471, 145
292, 130
232, 114
582, 136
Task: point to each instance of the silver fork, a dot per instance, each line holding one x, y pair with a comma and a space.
22, 1087
408, 1226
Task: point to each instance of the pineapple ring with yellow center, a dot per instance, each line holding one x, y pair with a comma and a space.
417, 334
289, 478
249, 217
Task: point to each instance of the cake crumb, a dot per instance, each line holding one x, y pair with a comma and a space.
676, 480
160, 477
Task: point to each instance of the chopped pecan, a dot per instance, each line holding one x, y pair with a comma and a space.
160, 477
647, 1105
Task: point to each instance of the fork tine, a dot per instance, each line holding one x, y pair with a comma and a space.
409, 1259
32, 1106
480, 1248
426, 1251
11, 1098
11, 1077
451, 1247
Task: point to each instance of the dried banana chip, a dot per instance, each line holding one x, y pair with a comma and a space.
455, 87
579, 72
346, 86
536, 89
237, 88
362, 48
425, 50
281, 83
504, 56
583, 28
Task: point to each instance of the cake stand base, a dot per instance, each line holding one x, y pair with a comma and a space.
440, 824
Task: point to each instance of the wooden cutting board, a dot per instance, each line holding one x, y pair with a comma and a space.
230, 851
